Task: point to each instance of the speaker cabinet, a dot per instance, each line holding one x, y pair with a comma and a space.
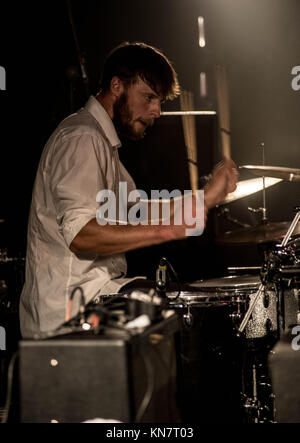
81, 376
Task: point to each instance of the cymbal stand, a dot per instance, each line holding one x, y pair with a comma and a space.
291, 228
251, 308
263, 210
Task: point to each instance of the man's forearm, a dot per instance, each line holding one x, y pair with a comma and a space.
111, 239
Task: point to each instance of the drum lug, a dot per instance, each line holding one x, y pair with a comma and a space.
188, 318
236, 318
266, 300
268, 326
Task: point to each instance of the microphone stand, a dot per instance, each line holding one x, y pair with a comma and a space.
80, 54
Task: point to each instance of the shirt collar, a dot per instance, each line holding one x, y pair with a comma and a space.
99, 113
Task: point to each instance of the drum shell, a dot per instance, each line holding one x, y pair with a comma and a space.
239, 292
211, 358
237, 300
264, 315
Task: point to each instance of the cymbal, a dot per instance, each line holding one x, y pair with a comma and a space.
249, 187
261, 233
289, 174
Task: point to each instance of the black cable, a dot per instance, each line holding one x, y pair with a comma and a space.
82, 302
81, 293
175, 275
108, 316
150, 385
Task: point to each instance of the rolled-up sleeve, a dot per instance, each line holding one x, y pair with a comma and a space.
77, 174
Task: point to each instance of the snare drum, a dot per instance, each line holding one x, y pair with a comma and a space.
236, 293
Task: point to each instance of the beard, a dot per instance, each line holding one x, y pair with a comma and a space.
123, 121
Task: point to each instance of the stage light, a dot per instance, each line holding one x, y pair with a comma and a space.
203, 84
201, 32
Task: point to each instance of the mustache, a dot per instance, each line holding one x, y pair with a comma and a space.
147, 122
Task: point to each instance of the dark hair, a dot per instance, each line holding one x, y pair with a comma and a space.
128, 61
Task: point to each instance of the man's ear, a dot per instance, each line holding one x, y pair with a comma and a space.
116, 86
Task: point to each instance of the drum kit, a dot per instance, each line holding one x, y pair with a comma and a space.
230, 325
251, 312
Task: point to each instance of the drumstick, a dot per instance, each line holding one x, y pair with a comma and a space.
189, 131
223, 109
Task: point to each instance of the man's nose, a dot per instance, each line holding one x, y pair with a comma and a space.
156, 110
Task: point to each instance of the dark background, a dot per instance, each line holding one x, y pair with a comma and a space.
257, 40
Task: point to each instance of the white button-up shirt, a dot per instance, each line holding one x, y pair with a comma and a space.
80, 159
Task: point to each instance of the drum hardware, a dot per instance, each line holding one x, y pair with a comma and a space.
269, 269
265, 231
261, 233
282, 255
188, 318
236, 316
235, 293
266, 300
257, 396
292, 227
243, 269
225, 212
250, 310
4, 301
162, 278
257, 211
262, 210
252, 404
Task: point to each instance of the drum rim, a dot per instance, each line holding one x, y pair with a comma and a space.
211, 293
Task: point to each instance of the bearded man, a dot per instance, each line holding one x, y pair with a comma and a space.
66, 246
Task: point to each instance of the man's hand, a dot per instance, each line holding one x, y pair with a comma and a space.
189, 220
223, 181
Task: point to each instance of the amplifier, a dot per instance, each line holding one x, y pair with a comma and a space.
83, 376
